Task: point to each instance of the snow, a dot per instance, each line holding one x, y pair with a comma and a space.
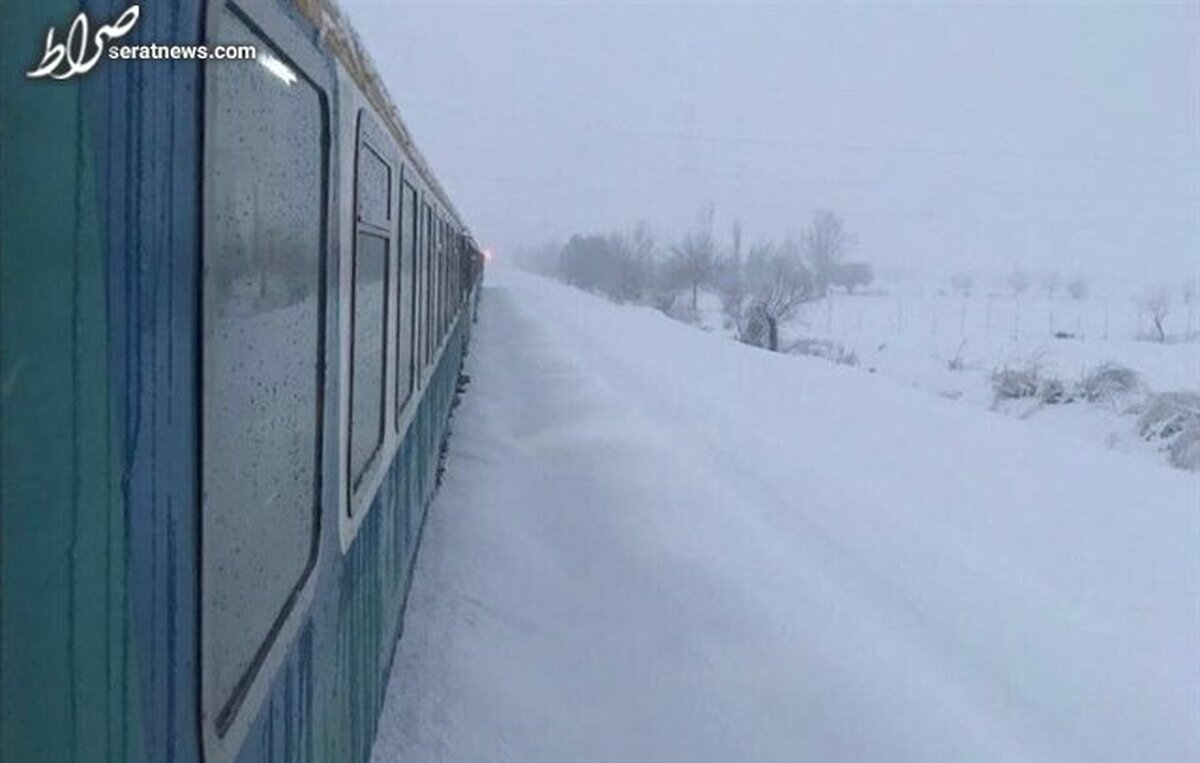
657, 544
912, 336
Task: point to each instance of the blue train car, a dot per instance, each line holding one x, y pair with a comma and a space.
234, 304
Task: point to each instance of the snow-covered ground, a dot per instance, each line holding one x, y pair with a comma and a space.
950, 345
655, 544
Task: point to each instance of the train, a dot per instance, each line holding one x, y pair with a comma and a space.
235, 303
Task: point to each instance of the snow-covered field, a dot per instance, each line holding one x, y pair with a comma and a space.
950, 345
655, 544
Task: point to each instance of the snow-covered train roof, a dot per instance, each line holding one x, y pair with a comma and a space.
337, 34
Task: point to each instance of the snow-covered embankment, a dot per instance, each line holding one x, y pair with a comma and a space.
657, 544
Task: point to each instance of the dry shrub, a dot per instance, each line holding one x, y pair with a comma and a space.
1184, 452
1028, 381
1168, 414
1109, 381
834, 352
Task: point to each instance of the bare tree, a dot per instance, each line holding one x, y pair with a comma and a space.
1018, 282
730, 280
825, 242
736, 252
635, 263
582, 261
696, 255
851, 275
778, 283
1050, 282
1158, 304
1078, 287
641, 240
665, 284
961, 283
613, 264
1187, 292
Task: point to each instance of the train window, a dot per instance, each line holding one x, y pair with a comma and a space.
421, 292
262, 318
372, 246
444, 272
441, 281
458, 260
451, 248
432, 279
446, 282
407, 304
441, 284
367, 361
419, 296
430, 263
374, 185
455, 264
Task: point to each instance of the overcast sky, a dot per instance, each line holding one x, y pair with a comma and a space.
949, 136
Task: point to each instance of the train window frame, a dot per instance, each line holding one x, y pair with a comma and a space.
438, 257
407, 333
419, 291
434, 280
431, 348
439, 276
458, 272
369, 137
447, 303
451, 245
225, 722
455, 248
443, 269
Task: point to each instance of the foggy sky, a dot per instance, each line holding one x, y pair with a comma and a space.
949, 137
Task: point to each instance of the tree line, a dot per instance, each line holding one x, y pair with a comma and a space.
760, 286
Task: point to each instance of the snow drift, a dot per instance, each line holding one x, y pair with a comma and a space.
657, 544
